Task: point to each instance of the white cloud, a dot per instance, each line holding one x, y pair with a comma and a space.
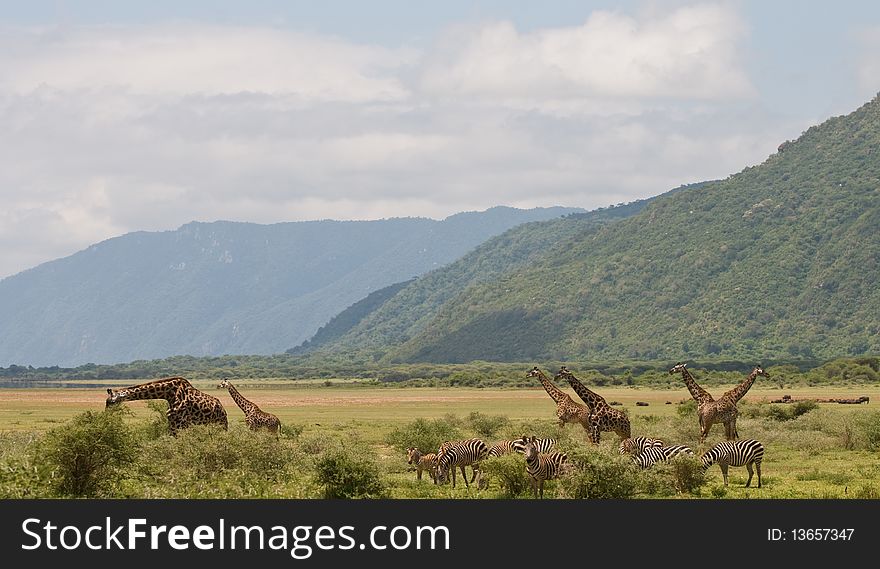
689, 53
116, 129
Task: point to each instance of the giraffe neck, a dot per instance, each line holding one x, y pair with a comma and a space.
740, 390
239, 399
697, 392
167, 389
593, 400
557, 394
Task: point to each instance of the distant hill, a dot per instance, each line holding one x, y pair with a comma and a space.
223, 287
394, 319
779, 260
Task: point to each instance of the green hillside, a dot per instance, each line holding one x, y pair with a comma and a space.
779, 260
223, 287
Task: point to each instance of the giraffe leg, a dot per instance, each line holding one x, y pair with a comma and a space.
749, 468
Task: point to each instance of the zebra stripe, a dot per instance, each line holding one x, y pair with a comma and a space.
541, 466
653, 455
460, 454
543, 445
638, 444
505, 447
745, 452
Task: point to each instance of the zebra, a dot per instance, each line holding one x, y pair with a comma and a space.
506, 447
541, 466
460, 454
423, 462
735, 453
636, 445
543, 445
653, 454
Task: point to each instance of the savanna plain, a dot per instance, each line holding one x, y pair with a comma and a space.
348, 440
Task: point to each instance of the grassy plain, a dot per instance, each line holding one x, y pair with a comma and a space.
828, 452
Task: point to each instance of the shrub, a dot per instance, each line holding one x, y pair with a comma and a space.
486, 425
89, 454
346, 475
870, 425
426, 435
687, 408
598, 475
510, 473
21, 475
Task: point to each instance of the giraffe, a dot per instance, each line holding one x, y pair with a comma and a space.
603, 417
723, 410
731, 397
255, 417
186, 404
567, 411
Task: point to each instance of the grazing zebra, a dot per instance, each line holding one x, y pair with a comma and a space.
735, 453
423, 462
541, 466
460, 454
652, 455
636, 445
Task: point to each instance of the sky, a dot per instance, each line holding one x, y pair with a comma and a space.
129, 116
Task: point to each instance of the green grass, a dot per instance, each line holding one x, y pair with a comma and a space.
828, 452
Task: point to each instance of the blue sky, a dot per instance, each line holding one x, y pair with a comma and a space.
143, 116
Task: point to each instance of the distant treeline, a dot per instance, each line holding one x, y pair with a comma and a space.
474, 374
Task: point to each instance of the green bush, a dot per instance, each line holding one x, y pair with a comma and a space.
486, 425
209, 450
21, 474
870, 426
425, 435
687, 408
346, 475
598, 475
89, 454
509, 471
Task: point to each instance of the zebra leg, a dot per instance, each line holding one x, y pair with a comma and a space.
758, 468
749, 468
419, 472
724, 472
474, 475
541, 487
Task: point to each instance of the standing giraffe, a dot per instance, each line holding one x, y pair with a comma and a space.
186, 405
255, 417
603, 417
723, 410
730, 398
567, 411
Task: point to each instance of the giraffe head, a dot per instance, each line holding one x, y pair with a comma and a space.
563, 373
112, 398
535, 372
760, 371
224, 384
677, 368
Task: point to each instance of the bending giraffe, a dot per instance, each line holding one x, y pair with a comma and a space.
603, 417
186, 405
254, 417
723, 410
567, 411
